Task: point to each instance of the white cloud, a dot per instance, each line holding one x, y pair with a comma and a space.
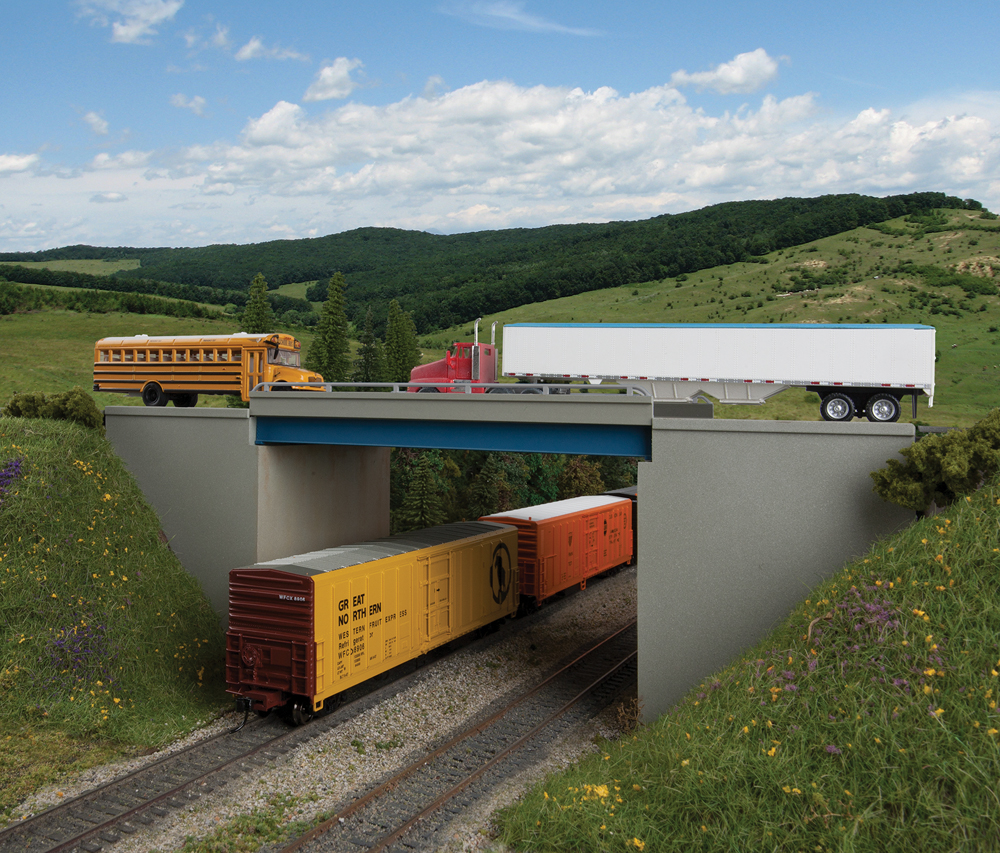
748, 72
333, 80
509, 15
256, 49
120, 162
108, 198
17, 162
434, 86
195, 104
131, 21
495, 155
96, 123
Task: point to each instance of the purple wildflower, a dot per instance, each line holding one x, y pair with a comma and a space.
10, 472
833, 750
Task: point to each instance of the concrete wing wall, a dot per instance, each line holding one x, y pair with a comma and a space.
737, 521
225, 503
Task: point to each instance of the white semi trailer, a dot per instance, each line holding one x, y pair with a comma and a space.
857, 370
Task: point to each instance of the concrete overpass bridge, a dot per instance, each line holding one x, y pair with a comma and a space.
737, 518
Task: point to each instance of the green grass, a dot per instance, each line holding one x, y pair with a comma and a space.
88, 266
867, 722
107, 646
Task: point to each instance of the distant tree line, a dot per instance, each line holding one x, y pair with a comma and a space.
442, 280
14, 298
301, 309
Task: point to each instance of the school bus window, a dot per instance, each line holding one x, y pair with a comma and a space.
223, 355
282, 356
103, 355
167, 355
129, 355
195, 355
154, 355
116, 355
210, 355
140, 355
180, 355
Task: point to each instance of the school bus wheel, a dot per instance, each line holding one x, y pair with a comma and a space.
153, 395
184, 401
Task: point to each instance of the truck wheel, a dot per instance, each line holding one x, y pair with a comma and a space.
297, 712
883, 408
152, 395
428, 390
837, 407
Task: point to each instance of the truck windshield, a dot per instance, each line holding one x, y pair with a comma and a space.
282, 356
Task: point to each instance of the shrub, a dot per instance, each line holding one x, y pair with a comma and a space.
943, 467
73, 405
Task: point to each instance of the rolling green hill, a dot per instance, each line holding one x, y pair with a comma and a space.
445, 279
935, 267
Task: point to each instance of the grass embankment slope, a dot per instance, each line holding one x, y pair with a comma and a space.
872, 290
867, 721
107, 645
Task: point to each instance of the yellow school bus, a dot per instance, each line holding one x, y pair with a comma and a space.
178, 369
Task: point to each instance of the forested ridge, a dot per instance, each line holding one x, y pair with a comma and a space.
446, 279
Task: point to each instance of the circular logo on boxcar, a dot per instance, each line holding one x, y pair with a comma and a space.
501, 573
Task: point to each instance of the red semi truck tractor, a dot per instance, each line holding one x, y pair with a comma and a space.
474, 363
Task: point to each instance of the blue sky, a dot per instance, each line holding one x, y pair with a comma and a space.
189, 122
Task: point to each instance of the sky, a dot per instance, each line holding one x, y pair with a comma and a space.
193, 122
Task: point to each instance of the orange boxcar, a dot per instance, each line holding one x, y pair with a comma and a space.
561, 544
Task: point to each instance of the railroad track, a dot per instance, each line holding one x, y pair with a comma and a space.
103, 815
410, 810
97, 818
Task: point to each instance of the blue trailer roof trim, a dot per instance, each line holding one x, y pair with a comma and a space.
828, 326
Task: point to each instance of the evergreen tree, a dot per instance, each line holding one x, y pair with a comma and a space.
401, 352
500, 485
423, 506
484, 491
580, 477
257, 316
370, 364
329, 353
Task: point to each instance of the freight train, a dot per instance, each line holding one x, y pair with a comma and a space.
303, 629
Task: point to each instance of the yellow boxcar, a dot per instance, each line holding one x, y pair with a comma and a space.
303, 629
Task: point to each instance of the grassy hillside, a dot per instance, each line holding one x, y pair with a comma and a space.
866, 722
443, 279
90, 266
106, 644
855, 279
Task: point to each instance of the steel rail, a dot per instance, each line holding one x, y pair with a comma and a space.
335, 821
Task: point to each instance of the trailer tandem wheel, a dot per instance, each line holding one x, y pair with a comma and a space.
837, 407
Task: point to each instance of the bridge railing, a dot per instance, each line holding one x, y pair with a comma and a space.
458, 388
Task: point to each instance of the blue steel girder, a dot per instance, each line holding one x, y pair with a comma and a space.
582, 424
526, 437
